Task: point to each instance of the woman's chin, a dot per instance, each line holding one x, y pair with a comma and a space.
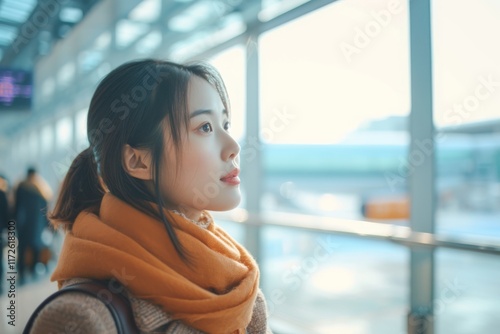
226, 204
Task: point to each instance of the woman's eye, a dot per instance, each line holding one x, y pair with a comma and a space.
227, 126
207, 128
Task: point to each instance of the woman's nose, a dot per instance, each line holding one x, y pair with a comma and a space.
231, 150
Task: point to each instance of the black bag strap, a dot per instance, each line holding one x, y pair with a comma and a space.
116, 303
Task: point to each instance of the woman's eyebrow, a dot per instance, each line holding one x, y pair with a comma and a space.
206, 111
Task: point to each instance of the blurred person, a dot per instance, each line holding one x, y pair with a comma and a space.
134, 208
30, 211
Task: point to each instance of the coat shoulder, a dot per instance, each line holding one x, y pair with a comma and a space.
74, 312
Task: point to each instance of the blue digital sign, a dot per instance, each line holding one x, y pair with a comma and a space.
16, 89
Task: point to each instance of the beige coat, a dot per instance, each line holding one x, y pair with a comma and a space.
78, 313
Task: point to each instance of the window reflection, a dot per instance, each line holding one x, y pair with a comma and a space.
466, 300
320, 283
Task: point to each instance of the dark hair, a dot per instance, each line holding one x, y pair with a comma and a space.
31, 171
131, 105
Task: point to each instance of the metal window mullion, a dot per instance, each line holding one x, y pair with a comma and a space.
294, 13
421, 168
251, 156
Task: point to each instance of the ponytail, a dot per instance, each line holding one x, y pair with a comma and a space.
81, 191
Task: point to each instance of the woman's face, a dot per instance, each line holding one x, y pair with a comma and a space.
208, 166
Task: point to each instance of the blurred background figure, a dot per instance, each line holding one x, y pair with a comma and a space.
4, 218
31, 201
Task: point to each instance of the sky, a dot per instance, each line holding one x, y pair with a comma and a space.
325, 74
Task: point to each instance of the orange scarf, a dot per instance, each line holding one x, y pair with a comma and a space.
215, 295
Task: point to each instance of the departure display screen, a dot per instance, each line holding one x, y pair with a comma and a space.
16, 89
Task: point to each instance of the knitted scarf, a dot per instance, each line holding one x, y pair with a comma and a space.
214, 294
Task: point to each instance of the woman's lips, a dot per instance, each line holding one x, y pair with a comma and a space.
232, 178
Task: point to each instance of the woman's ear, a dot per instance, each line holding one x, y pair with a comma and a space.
137, 162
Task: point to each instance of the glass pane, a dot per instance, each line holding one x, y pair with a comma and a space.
89, 59
235, 230
64, 133
146, 11
48, 88
321, 283
273, 8
47, 139
466, 112
128, 32
34, 144
149, 43
467, 292
24, 148
66, 75
231, 65
334, 111
465, 55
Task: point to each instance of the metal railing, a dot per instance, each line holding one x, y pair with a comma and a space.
399, 234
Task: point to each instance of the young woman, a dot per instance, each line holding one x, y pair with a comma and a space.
134, 203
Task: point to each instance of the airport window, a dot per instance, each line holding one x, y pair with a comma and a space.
89, 59
23, 147
466, 105
466, 300
321, 93
273, 8
64, 128
14, 155
128, 32
312, 277
230, 26
466, 71
66, 74
149, 43
334, 112
34, 140
47, 88
231, 65
335, 108
47, 139
146, 11
103, 41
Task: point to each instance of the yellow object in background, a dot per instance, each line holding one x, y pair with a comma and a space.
387, 208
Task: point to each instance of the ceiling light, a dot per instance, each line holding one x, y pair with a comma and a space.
192, 17
70, 14
128, 31
146, 11
149, 43
17, 11
273, 8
